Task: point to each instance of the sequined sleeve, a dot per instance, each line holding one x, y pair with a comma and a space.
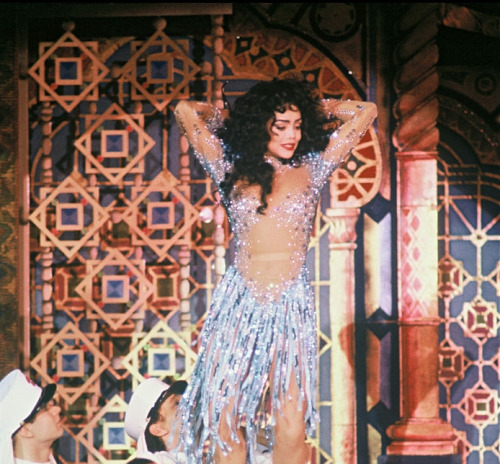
199, 121
356, 117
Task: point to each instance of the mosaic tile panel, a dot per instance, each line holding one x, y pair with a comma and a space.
469, 243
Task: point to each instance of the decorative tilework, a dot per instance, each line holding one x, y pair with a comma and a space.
68, 71
161, 362
70, 362
469, 240
115, 437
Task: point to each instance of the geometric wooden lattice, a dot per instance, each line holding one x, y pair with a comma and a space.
76, 218
115, 289
159, 70
480, 320
151, 217
106, 425
59, 75
110, 152
84, 349
162, 340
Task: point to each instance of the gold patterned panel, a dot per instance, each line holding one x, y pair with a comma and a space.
153, 233
115, 289
112, 156
161, 335
78, 346
54, 203
152, 72
67, 63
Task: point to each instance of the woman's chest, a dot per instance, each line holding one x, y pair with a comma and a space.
293, 198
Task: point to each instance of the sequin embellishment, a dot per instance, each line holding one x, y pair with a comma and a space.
261, 326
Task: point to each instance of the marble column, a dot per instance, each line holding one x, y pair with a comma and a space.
342, 234
420, 435
420, 431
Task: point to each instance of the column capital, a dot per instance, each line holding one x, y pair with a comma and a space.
343, 226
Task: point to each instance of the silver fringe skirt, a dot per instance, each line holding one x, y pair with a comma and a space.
247, 346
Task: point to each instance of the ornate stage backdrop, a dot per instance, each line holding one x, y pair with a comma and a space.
128, 240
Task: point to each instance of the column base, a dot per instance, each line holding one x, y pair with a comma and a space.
421, 437
444, 459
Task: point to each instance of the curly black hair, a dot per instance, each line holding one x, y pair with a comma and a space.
245, 134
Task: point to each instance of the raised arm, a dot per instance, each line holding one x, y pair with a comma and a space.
197, 120
356, 117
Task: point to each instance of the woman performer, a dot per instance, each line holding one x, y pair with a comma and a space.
256, 366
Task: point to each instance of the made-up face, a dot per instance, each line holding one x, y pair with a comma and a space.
285, 132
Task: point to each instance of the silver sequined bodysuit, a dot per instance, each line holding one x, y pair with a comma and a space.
260, 331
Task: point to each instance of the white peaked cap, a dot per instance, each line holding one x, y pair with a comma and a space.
19, 396
143, 399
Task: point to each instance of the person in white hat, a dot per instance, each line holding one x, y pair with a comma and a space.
149, 419
30, 421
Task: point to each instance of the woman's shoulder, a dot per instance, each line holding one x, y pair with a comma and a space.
309, 158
